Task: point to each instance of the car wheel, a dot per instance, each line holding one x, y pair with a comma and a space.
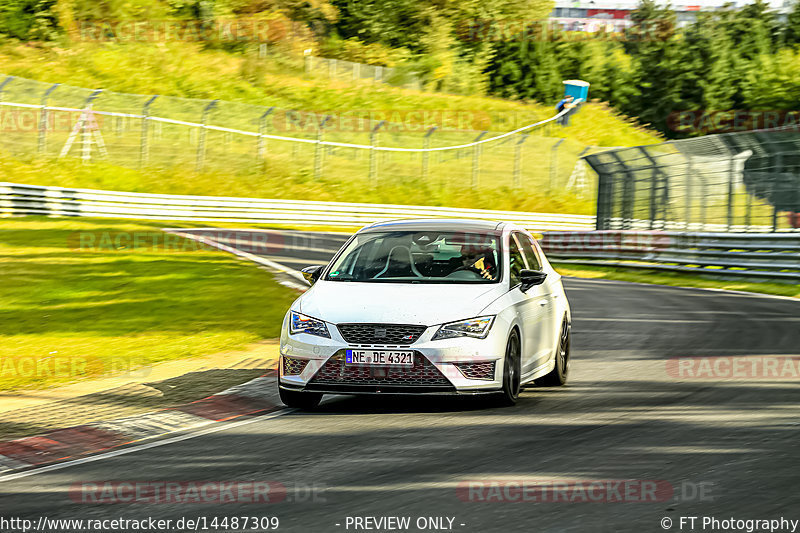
558, 376
511, 371
300, 399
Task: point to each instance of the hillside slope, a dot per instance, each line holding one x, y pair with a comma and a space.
542, 181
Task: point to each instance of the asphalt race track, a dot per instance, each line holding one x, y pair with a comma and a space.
723, 445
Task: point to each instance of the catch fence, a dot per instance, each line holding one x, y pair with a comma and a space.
734, 182
446, 150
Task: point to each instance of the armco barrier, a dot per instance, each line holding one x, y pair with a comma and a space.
567, 238
18, 199
752, 255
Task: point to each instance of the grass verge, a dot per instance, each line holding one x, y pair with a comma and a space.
279, 181
68, 314
675, 279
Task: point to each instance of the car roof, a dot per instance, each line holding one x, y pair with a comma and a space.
436, 224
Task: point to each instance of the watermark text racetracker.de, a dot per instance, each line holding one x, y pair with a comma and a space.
213, 492
734, 367
55, 365
165, 242
526, 490
715, 523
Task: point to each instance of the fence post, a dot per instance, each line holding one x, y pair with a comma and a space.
628, 194
263, 126
86, 147
688, 195
6, 81
703, 193
748, 209
517, 175
578, 176
3, 86
373, 162
476, 159
731, 166
554, 165
426, 143
43, 119
144, 154
779, 166
201, 143
318, 148
605, 192
655, 175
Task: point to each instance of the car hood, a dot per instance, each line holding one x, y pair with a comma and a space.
397, 303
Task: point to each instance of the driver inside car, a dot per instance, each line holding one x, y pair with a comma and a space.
478, 260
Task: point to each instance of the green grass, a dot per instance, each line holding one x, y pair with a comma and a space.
279, 181
104, 308
186, 71
675, 279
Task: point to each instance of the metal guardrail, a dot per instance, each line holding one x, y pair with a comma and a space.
20, 199
773, 256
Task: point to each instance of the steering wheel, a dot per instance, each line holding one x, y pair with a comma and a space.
457, 273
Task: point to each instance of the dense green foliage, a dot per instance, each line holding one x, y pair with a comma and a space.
730, 59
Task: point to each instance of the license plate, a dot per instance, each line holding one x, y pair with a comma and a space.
379, 358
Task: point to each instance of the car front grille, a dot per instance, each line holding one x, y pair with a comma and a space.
423, 373
292, 366
386, 334
477, 370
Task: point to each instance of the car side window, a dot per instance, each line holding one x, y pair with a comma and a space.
529, 252
515, 262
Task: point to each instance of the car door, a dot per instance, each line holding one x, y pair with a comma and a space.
544, 295
530, 307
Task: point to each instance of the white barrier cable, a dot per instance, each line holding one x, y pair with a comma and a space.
293, 139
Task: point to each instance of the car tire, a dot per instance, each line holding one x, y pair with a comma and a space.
511, 372
300, 399
558, 376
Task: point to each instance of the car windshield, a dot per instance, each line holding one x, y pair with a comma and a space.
419, 257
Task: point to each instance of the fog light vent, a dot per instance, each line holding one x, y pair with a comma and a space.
292, 366
477, 370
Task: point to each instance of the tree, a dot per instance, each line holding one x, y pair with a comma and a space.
396, 23
791, 32
722, 87
658, 74
28, 19
754, 29
526, 66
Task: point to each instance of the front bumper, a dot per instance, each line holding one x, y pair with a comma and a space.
440, 367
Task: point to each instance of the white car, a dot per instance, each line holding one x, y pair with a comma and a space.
427, 307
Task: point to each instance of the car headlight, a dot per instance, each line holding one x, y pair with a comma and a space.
299, 323
474, 327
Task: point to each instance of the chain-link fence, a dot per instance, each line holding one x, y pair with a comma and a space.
138, 131
746, 181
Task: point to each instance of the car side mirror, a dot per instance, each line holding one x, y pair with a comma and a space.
312, 273
529, 278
